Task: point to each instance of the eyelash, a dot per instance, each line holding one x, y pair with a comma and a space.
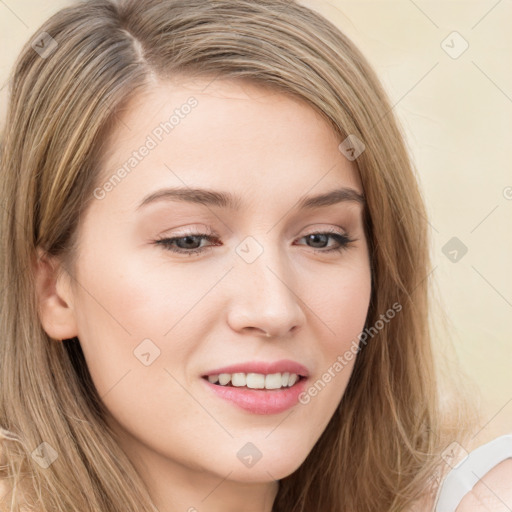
344, 240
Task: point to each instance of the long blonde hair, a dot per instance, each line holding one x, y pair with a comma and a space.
382, 444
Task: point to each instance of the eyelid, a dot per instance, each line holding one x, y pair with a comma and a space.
207, 230
327, 230
190, 231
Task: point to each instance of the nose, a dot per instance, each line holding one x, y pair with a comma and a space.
264, 299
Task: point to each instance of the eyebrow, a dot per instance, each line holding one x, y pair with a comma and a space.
208, 197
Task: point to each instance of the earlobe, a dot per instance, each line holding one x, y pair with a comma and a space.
54, 297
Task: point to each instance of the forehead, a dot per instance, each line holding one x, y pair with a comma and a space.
223, 134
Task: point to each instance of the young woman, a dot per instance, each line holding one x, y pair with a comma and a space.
214, 264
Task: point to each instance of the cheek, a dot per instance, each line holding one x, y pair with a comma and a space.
346, 304
147, 298
133, 316
342, 300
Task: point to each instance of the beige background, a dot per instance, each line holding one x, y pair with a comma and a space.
457, 117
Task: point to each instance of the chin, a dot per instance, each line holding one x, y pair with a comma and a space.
261, 461
264, 472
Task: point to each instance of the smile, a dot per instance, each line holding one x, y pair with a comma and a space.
255, 380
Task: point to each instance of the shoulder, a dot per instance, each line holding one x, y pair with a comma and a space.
481, 481
493, 491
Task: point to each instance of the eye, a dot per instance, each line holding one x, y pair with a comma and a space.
190, 243
321, 239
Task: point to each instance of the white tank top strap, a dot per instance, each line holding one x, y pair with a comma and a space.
463, 477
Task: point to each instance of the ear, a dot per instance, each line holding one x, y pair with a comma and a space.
54, 297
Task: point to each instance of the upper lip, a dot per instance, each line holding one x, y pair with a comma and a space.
282, 366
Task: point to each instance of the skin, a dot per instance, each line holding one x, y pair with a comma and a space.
212, 309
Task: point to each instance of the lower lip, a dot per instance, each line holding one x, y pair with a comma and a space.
260, 401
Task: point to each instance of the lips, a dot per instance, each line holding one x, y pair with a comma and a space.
267, 368
258, 401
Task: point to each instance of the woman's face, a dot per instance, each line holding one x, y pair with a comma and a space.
230, 179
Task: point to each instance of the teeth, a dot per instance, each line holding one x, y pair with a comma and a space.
238, 379
224, 378
273, 381
255, 380
292, 379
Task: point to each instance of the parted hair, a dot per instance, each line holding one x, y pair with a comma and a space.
381, 447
